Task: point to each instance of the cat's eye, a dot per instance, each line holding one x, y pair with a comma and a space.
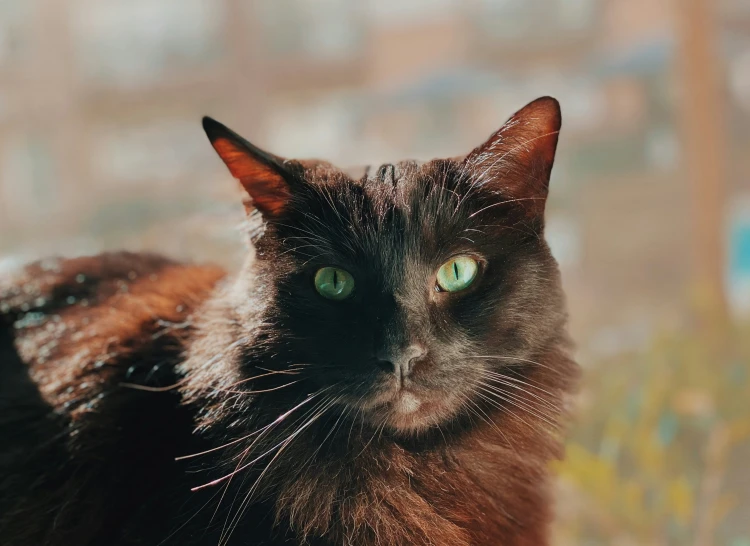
457, 274
334, 283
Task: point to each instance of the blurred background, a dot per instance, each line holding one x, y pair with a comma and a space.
649, 214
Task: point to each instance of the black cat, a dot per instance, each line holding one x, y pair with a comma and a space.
389, 368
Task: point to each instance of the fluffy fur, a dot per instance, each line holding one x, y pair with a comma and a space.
148, 402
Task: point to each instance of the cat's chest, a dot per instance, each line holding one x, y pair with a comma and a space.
449, 495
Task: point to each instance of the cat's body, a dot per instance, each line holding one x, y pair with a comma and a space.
279, 404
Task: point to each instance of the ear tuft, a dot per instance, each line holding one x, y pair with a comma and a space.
517, 159
261, 174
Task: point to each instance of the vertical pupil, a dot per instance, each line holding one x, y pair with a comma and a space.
335, 278
455, 269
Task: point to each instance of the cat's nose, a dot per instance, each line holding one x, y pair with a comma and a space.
401, 362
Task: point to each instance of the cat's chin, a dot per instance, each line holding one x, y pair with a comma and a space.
408, 411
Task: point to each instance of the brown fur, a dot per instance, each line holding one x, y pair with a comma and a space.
81, 325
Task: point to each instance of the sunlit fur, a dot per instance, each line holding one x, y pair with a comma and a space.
286, 428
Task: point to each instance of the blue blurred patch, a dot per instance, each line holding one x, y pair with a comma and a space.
739, 247
667, 428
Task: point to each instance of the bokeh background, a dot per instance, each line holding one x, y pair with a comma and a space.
649, 214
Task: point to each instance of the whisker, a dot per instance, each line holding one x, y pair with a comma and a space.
354, 419
219, 480
475, 408
259, 391
240, 464
243, 456
543, 401
260, 376
519, 403
146, 388
375, 432
235, 520
497, 405
518, 359
186, 522
276, 421
529, 382
539, 403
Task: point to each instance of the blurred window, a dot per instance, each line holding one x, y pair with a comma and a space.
28, 175
563, 235
739, 79
160, 151
437, 124
662, 148
734, 8
132, 43
400, 12
608, 154
15, 31
324, 29
510, 20
576, 14
322, 127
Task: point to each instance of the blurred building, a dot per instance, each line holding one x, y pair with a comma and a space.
100, 142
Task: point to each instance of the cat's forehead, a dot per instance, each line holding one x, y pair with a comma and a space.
322, 172
382, 197
391, 173
384, 215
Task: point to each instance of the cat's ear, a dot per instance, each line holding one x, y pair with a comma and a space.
517, 159
263, 175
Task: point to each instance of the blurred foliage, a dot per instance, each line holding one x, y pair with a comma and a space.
660, 449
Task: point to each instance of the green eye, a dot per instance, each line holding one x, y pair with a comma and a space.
457, 274
334, 283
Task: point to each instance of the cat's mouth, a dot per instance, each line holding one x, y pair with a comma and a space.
408, 409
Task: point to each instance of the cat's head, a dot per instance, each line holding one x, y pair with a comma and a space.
406, 293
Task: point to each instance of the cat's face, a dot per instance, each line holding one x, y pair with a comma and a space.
407, 292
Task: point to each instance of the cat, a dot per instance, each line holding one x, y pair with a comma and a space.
389, 367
